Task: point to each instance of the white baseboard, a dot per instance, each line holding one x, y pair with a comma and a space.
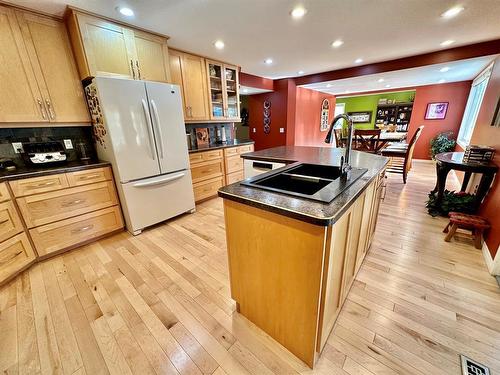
492, 264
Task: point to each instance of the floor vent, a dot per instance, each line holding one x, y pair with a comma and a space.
470, 367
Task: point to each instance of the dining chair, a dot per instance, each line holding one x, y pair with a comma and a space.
339, 142
367, 140
401, 155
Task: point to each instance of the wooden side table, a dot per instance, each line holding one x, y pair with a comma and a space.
447, 161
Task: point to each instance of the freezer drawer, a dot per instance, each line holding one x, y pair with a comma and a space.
153, 200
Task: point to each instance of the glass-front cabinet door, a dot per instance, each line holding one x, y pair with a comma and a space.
232, 92
224, 91
216, 82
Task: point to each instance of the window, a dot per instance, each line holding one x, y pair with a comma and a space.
473, 105
339, 109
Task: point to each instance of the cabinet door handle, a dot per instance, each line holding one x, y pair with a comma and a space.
42, 109
48, 183
138, 69
49, 108
4, 221
132, 67
72, 203
89, 176
82, 229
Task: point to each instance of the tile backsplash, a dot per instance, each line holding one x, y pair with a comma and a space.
77, 134
213, 130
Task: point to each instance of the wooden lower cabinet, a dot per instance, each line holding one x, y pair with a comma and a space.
67, 233
16, 254
207, 170
290, 277
207, 189
10, 223
231, 178
35, 185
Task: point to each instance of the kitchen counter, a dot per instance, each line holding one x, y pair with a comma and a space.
233, 143
303, 209
72, 166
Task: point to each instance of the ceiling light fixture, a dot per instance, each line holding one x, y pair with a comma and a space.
387, 86
329, 85
442, 81
300, 72
447, 42
380, 80
452, 12
268, 61
337, 43
219, 44
245, 90
298, 12
125, 11
445, 69
358, 61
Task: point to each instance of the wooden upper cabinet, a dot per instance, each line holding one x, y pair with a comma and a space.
20, 97
104, 47
54, 67
223, 87
189, 72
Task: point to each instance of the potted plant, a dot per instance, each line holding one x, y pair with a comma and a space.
443, 142
452, 202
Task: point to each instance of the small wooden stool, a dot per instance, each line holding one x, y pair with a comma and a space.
476, 224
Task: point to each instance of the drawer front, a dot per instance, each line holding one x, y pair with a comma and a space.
234, 164
46, 208
207, 171
4, 192
71, 232
230, 151
15, 254
37, 185
89, 176
200, 157
231, 178
10, 223
244, 149
207, 189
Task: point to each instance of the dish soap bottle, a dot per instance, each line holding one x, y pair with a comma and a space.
223, 135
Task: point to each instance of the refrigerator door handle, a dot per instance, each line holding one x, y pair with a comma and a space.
158, 126
160, 181
149, 126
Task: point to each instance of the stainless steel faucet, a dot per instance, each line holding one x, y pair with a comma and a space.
346, 167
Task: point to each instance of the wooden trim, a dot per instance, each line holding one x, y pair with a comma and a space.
203, 56
30, 10
71, 9
5, 125
491, 47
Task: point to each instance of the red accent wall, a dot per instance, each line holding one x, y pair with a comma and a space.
279, 115
485, 134
255, 81
307, 117
456, 94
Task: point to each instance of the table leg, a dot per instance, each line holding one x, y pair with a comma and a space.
482, 189
466, 181
442, 172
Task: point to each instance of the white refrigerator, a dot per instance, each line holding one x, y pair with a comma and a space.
139, 128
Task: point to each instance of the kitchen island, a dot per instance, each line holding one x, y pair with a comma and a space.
293, 260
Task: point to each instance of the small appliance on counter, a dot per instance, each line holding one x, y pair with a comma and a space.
7, 164
42, 154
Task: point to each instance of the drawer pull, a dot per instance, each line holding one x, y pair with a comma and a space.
4, 221
89, 176
83, 229
14, 256
72, 203
48, 183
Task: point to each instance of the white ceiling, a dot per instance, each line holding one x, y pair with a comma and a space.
254, 30
461, 70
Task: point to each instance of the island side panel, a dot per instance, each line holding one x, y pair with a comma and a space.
275, 265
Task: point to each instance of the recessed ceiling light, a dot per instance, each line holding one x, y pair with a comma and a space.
447, 42
298, 12
452, 12
268, 61
245, 90
380, 80
337, 43
387, 86
358, 61
126, 11
329, 85
442, 81
445, 69
219, 44
300, 72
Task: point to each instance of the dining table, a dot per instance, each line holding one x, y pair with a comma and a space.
384, 139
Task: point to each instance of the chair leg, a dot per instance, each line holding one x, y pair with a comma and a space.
478, 233
450, 234
404, 175
445, 230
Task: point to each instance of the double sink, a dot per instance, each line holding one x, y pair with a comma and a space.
311, 181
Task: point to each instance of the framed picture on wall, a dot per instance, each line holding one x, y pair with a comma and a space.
496, 117
361, 117
436, 111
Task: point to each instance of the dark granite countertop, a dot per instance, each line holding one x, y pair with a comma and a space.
72, 166
233, 143
303, 209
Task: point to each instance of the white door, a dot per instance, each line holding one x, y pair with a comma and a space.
127, 119
168, 123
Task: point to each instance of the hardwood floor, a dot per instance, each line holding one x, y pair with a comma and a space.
159, 303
